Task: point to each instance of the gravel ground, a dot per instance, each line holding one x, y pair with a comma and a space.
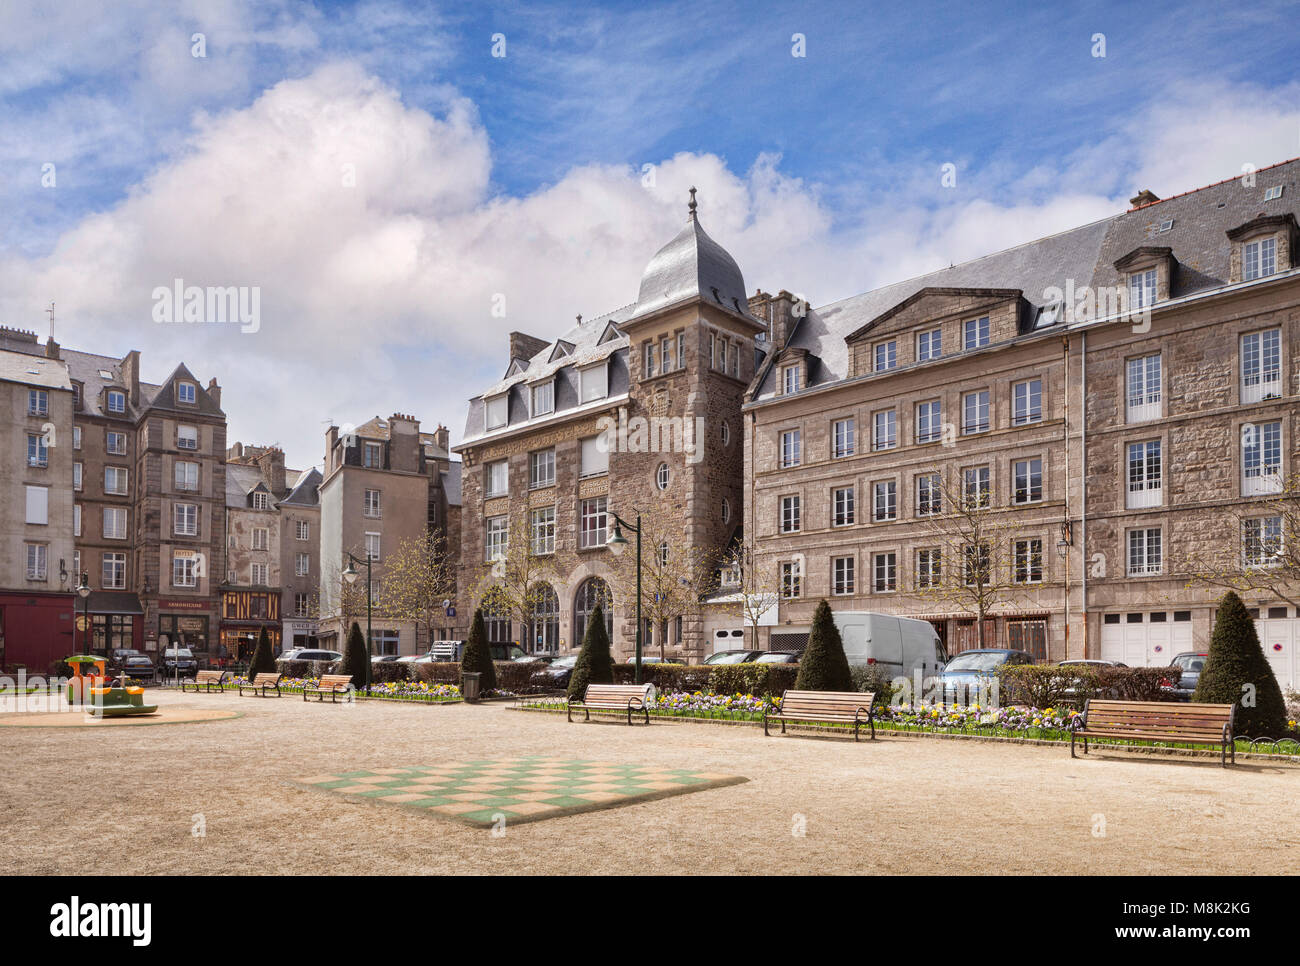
896, 805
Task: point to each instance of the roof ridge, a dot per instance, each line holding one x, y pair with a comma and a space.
1214, 184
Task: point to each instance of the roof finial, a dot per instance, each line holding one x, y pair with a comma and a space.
692, 206
580, 318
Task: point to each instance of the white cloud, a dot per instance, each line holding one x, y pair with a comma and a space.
377, 296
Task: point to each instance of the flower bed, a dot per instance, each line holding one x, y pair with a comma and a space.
391, 690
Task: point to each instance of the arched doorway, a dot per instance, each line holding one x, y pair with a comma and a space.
544, 628
592, 593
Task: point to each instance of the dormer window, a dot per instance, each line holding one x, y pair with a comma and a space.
1142, 289
1258, 258
1049, 314
261, 501
372, 455
116, 401
544, 398
498, 411
791, 379
185, 392
593, 382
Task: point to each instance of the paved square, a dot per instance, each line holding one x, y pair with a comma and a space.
520, 789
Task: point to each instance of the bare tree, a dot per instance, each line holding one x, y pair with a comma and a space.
419, 576
514, 582
1262, 549
971, 564
754, 579
346, 601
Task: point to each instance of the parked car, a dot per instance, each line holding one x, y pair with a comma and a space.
556, 674
507, 652
1072, 692
383, 658
1191, 663
971, 670
651, 659
308, 654
733, 657
777, 657
133, 664
178, 660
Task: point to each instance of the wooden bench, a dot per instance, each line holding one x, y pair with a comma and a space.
613, 697
331, 684
845, 707
262, 684
206, 680
1193, 724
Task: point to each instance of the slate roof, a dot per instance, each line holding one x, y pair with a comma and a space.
31, 370
451, 483
1197, 237
306, 491
692, 265
242, 480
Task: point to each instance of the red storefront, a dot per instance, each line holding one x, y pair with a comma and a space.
36, 630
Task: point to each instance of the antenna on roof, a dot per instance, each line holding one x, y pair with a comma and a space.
50, 313
692, 206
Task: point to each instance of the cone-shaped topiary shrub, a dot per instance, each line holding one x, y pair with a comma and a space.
262, 660
477, 656
355, 659
595, 665
1237, 672
823, 666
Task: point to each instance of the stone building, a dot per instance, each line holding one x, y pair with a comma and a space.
300, 560
384, 482
634, 411
252, 594
38, 566
1123, 392
148, 478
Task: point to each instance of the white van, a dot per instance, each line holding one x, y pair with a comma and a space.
900, 645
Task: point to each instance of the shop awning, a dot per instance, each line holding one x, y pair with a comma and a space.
111, 602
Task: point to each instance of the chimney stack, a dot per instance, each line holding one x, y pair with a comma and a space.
524, 347
1143, 197
214, 392
52, 349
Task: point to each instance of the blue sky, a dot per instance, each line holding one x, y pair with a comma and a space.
523, 173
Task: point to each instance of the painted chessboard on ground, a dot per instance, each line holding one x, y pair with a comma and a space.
520, 789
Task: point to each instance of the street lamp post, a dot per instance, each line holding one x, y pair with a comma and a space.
617, 543
83, 591
1063, 546
351, 576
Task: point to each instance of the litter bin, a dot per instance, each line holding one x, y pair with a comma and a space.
469, 685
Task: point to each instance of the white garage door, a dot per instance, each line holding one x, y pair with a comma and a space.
1279, 634
1145, 638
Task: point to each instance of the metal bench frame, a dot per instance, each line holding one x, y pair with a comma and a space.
861, 715
333, 690
261, 689
1226, 742
635, 702
207, 684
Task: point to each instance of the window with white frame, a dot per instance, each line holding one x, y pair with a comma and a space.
977, 565
116, 480
735, 359
929, 495
1258, 258
372, 545
76, 437
113, 571
76, 519
663, 475
929, 345
258, 574
1261, 458
886, 356
1142, 289
1027, 561
1261, 365
929, 568
37, 556
976, 487
38, 402
726, 510
885, 430
115, 443
975, 412
791, 379
929, 421
976, 333
261, 501
790, 514
186, 476
666, 354
496, 411
261, 538
1143, 388
301, 605
38, 505
301, 564
496, 537
185, 570
791, 579
372, 455
76, 476
884, 567
542, 523
681, 350
791, 448
114, 523
544, 398
541, 468
1027, 402
843, 437
187, 437
185, 519
1145, 475
498, 479
185, 392
651, 359
593, 521
302, 530
372, 504
115, 401
1145, 553
885, 501
842, 576
1027, 481
38, 452
1262, 541
593, 382
843, 511
594, 456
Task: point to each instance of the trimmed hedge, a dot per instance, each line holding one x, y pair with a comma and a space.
666, 677
1040, 686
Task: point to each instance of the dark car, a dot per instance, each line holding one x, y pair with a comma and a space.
133, 664
507, 652
556, 674
969, 671
733, 657
1191, 663
777, 657
179, 660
